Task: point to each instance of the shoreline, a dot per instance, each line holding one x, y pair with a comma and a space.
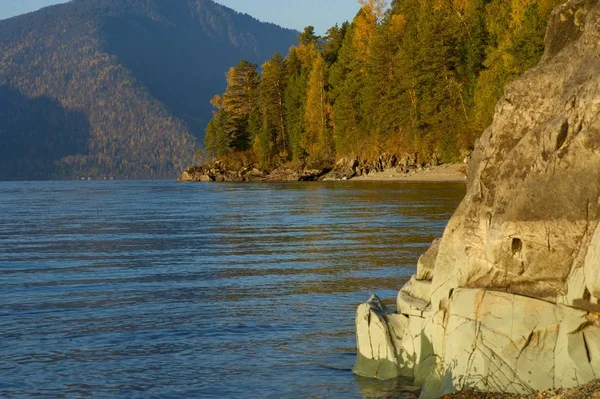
451, 173
441, 173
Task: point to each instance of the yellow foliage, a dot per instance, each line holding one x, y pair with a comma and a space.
317, 139
306, 54
365, 26
397, 25
217, 102
459, 4
518, 8
375, 7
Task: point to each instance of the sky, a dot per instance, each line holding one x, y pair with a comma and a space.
295, 14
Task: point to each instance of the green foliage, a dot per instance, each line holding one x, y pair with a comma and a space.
273, 140
308, 37
295, 100
230, 129
317, 140
218, 133
333, 42
516, 36
422, 78
348, 82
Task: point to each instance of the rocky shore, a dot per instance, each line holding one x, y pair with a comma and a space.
507, 302
384, 168
590, 390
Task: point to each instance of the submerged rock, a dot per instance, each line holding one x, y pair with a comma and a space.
509, 301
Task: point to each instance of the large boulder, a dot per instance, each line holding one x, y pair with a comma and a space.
509, 301
377, 332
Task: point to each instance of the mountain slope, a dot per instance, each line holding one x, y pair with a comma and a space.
117, 87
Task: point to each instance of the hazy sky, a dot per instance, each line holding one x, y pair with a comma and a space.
296, 14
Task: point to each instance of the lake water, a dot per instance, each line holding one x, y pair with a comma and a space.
166, 290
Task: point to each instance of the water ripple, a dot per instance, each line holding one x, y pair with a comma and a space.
157, 289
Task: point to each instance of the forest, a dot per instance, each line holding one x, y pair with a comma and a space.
418, 77
117, 88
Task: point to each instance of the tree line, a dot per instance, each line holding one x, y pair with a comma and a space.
418, 77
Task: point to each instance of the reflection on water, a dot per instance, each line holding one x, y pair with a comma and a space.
400, 387
157, 289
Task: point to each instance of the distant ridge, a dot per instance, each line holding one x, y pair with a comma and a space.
118, 87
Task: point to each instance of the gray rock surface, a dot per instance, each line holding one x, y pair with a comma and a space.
509, 301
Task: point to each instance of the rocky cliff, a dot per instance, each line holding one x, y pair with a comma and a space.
508, 300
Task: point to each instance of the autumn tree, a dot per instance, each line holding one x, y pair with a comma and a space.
419, 77
300, 61
349, 79
516, 32
230, 128
318, 140
383, 104
365, 26
272, 139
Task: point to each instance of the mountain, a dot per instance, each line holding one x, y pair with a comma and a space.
118, 87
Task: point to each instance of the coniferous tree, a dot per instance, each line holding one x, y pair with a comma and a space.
348, 83
300, 61
421, 77
295, 100
231, 130
217, 139
272, 140
349, 80
333, 42
238, 99
308, 37
318, 140
383, 106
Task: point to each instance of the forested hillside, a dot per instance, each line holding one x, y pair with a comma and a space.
117, 87
418, 78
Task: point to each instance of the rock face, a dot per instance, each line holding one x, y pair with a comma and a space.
509, 301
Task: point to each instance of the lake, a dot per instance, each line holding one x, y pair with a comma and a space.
163, 290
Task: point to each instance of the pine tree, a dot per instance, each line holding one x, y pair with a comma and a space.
348, 79
299, 61
237, 102
295, 104
273, 141
333, 43
308, 37
318, 141
218, 134
382, 105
